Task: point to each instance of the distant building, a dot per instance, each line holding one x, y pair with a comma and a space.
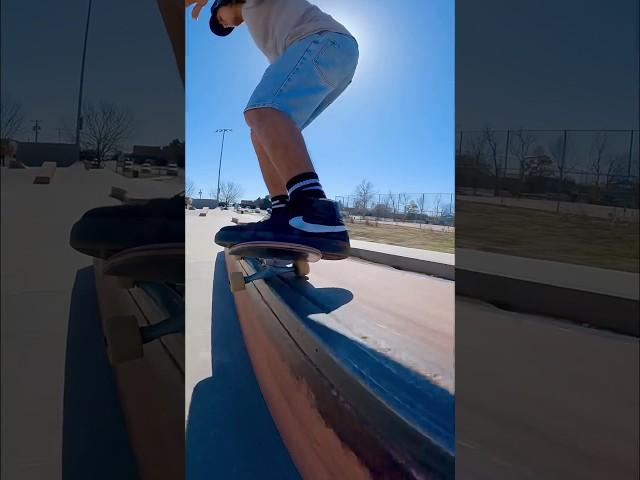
248, 204
35, 154
156, 155
204, 202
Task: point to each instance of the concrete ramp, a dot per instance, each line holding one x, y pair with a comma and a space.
45, 173
16, 164
119, 194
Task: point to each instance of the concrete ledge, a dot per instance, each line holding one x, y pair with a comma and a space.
601, 298
119, 194
45, 173
331, 423
16, 164
411, 259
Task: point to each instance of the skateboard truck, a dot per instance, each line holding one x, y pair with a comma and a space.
274, 259
124, 338
158, 270
238, 281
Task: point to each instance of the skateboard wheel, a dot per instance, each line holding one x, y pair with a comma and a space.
124, 342
301, 268
236, 280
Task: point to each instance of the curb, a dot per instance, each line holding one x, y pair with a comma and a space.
417, 265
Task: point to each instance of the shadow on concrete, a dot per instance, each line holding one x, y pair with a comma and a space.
95, 441
230, 432
423, 403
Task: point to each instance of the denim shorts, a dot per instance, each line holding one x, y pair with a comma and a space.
308, 76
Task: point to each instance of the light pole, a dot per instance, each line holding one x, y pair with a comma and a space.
36, 128
84, 54
223, 131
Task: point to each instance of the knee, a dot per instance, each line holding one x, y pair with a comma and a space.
253, 118
257, 117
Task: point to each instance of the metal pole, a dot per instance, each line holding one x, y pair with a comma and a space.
36, 129
223, 131
564, 151
84, 55
630, 155
506, 154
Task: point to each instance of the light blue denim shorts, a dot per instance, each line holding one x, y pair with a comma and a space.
308, 76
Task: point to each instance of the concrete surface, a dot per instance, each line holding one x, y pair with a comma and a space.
404, 315
201, 252
229, 431
540, 398
585, 295
563, 275
38, 273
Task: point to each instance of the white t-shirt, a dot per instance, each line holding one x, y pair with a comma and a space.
276, 24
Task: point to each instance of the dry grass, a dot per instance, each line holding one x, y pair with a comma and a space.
544, 235
403, 236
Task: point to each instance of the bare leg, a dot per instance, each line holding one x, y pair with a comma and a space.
282, 141
272, 179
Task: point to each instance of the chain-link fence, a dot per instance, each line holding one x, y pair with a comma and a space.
598, 167
412, 209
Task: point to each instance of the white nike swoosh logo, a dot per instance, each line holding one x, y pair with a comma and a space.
300, 224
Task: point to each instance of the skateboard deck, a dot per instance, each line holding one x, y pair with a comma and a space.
162, 262
274, 259
276, 251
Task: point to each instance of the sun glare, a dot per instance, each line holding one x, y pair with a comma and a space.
358, 26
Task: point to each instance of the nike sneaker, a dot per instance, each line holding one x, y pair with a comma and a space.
314, 222
104, 231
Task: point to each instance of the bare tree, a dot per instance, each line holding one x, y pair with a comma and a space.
105, 127
391, 204
472, 164
11, 119
189, 187
437, 201
364, 193
599, 145
421, 203
476, 149
616, 169
492, 142
403, 199
230, 192
523, 144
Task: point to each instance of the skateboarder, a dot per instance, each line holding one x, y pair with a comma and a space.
312, 60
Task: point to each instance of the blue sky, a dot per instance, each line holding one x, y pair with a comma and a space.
394, 125
129, 62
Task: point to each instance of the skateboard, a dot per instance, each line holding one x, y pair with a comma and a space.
158, 270
273, 259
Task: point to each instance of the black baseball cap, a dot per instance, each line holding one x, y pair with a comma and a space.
214, 25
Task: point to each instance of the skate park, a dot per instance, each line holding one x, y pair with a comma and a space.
65, 390
365, 324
